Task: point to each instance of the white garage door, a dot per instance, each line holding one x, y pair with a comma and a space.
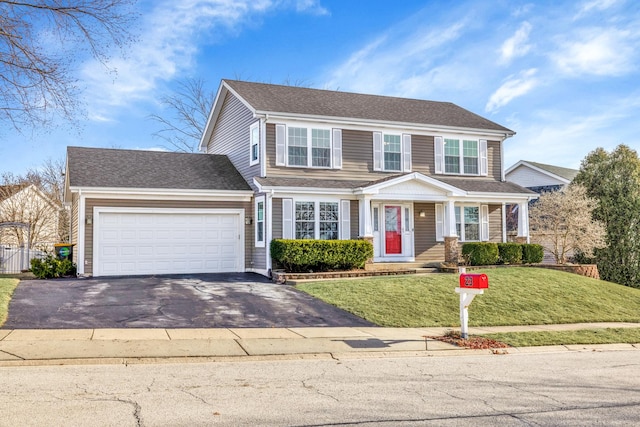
156, 242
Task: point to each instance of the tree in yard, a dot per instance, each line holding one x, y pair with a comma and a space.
190, 106
561, 222
614, 180
40, 42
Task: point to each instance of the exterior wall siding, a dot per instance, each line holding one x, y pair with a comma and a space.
427, 250
495, 223
91, 203
357, 158
73, 232
527, 177
231, 137
354, 221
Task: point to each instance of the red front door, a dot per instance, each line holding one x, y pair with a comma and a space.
393, 230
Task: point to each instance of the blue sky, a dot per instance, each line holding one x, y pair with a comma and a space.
565, 75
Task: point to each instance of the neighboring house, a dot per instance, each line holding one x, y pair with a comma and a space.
540, 177
29, 205
414, 177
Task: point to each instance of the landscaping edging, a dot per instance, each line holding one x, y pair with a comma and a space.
587, 270
282, 277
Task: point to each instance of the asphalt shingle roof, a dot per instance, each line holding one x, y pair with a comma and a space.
465, 184
115, 168
565, 173
314, 102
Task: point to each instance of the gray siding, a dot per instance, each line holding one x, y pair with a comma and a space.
276, 224
91, 203
354, 220
357, 158
494, 160
427, 250
231, 137
495, 223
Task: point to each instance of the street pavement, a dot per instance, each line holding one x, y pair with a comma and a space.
78, 346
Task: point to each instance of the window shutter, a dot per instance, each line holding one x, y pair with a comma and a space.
281, 145
438, 148
337, 149
406, 152
287, 219
484, 163
484, 223
377, 151
439, 222
345, 219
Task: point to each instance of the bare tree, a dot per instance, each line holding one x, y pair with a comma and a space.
562, 223
39, 42
189, 107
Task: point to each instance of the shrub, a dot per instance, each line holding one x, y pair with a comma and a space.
532, 253
484, 253
51, 267
510, 253
320, 255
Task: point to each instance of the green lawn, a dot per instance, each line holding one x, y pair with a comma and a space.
6, 290
516, 296
586, 336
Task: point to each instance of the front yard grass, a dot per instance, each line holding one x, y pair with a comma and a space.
586, 336
516, 296
7, 286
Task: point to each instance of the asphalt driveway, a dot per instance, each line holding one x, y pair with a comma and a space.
186, 301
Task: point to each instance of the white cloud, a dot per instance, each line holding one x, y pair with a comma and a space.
595, 6
393, 61
516, 46
171, 33
514, 87
598, 51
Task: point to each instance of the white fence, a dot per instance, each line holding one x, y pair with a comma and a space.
15, 259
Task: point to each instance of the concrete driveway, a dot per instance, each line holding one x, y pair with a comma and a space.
185, 301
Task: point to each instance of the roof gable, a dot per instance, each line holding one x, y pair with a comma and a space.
565, 175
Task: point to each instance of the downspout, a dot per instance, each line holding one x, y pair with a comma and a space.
269, 230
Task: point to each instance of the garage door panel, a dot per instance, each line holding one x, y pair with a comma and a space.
132, 243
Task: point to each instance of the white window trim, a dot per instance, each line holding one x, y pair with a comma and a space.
289, 216
440, 155
309, 164
252, 162
260, 243
442, 220
401, 152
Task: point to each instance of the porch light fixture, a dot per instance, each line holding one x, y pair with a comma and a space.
89, 220
423, 214
247, 221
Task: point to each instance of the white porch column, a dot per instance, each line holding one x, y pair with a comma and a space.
523, 220
450, 220
364, 208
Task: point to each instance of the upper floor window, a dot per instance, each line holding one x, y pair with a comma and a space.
461, 156
392, 152
308, 147
254, 144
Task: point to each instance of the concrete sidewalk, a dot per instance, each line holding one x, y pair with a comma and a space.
72, 346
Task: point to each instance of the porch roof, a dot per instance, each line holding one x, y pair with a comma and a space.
467, 185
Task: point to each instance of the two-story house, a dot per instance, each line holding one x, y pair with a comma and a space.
415, 177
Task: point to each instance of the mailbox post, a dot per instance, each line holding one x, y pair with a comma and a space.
470, 286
